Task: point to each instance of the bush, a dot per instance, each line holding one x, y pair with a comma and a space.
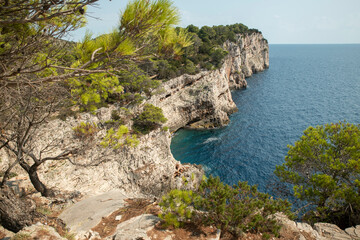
115, 139
324, 167
205, 53
237, 209
176, 207
150, 119
85, 130
115, 115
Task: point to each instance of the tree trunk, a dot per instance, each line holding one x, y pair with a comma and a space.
38, 185
15, 213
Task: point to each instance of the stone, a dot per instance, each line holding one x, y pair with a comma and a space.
90, 235
351, 231
136, 228
218, 234
331, 231
86, 214
5, 234
357, 230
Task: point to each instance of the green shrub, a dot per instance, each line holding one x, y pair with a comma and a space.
115, 121
176, 207
235, 209
150, 119
116, 140
131, 141
85, 130
324, 168
115, 115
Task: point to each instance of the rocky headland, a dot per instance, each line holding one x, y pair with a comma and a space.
197, 101
200, 101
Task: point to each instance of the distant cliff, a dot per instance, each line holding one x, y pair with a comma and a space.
204, 100
250, 54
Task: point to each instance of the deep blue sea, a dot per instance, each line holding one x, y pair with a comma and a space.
305, 85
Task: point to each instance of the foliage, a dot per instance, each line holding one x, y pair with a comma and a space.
137, 85
237, 209
115, 115
34, 64
29, 37
146, 30
85, 130
39, 70
115, 139
324, 167
205, 53
93, 90
150, 119
176, 207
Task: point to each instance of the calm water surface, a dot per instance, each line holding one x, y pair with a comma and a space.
305, 85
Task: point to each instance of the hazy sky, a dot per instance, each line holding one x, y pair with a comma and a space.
281, 21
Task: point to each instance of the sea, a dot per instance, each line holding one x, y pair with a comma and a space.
306, 85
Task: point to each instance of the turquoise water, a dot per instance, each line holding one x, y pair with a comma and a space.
305, 85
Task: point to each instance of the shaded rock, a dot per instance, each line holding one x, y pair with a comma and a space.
15, 213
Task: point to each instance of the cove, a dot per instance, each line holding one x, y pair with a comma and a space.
306, 85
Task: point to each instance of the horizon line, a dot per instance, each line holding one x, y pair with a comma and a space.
314, 43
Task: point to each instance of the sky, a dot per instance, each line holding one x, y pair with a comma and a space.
280, 21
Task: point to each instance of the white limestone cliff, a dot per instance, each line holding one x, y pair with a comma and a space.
204, 100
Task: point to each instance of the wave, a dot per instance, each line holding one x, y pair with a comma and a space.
211, 139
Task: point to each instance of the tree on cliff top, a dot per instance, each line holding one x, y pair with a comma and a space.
150, 119
324, 167
36, 71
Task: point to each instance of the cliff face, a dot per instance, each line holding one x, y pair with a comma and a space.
204, 100
250, 54
201, 101
148, 168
